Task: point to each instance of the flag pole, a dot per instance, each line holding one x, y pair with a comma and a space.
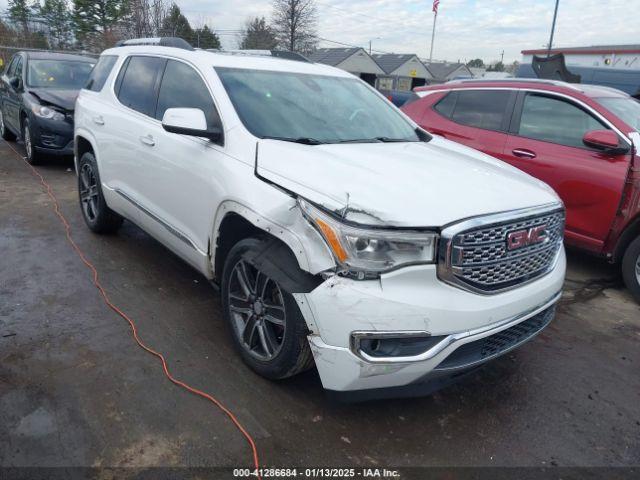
553, 28
433, 34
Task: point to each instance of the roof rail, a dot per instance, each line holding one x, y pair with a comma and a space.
285, 54
557, 83
174, 42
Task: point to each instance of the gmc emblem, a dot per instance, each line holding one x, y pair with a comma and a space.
523, 238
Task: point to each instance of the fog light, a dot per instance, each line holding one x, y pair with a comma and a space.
386, 345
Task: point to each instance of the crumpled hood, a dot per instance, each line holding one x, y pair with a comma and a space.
65, 99
401, 184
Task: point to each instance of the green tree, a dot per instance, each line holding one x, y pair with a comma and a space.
97, 22
475, 63
20, 13
205, 38
176, 24
258, 35
498, 67
57, 18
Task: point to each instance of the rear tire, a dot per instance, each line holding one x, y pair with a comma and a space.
266, 324
5, 133
32, 156
97, 215
631, 268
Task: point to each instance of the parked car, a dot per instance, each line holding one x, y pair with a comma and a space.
38, 91
399, 97
336, 229
580, 139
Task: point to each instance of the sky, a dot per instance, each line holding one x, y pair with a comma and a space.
466, 29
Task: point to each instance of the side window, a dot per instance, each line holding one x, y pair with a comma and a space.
138, 87
100, 72
12, 66
555, 120
446, 104
481, 108
182, 87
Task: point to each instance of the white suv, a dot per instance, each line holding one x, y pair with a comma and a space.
338, 232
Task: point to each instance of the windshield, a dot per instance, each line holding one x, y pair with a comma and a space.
58, 74
312, 108
627, 109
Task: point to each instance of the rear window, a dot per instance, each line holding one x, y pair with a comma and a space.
100, 72
137, 87
484, 109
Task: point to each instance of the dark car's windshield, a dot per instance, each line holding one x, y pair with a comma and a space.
627, 109
61, 74
312, 108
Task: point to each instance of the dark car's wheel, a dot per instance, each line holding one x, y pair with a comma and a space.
267, 326
97, 215
5, 133
32, 156
631, 268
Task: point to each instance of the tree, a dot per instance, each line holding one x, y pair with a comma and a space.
175, 24
57, 20
475, 63
205, 38
20, 13
497, 67
258, 35
295, 23
98, 23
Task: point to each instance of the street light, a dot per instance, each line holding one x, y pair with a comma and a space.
377, 38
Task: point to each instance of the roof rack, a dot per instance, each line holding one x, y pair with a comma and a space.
174, 42
557, 83
285, 54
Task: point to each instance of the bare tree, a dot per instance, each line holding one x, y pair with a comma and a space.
158, 11
295, 23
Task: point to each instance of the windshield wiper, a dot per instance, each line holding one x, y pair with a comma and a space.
393, 140
302, 140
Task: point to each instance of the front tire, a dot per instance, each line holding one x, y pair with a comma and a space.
266, 324
631, 268
5, 133
32, 156
97, 215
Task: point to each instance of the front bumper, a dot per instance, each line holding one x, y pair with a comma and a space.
415, 300
52, 137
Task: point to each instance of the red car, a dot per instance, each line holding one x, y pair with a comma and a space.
582, 140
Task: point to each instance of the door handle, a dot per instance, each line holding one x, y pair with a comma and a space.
148, 140
523, 153
98, 120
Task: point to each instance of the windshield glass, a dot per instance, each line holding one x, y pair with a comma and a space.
58, 74
312, 108
627, 109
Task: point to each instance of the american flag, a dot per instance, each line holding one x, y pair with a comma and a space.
436, 4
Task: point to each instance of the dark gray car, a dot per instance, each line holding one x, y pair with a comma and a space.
38, 91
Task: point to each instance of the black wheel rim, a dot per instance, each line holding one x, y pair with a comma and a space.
1, 123
638, 269
27, 142
89, 192
257, 310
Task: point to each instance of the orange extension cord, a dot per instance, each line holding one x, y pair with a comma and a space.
131, 323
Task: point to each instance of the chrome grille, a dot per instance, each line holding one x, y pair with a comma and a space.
475, 254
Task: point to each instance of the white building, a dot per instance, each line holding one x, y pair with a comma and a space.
622, 57
354, 60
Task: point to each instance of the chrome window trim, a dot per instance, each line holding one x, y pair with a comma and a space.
445, 247
455, 338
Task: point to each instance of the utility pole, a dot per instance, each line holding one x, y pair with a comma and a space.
553, 28
502, 57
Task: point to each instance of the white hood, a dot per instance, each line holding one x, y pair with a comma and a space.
401, 184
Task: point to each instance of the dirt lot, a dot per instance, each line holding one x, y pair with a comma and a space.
76, 391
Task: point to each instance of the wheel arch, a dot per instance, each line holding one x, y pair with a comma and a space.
82, 143
235, 222
629, 234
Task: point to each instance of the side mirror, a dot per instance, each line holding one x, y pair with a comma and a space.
15, 83
189, 121
605, 140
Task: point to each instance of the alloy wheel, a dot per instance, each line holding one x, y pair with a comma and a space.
257, 310
89, 192
1, 123
638, 269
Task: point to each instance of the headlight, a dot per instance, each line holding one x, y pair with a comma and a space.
46, 112
366, 252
